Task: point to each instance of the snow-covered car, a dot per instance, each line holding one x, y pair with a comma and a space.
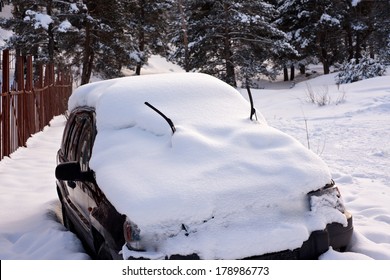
181, 166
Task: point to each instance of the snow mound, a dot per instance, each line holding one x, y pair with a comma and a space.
220, 184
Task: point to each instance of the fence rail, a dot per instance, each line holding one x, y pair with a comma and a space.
30, 98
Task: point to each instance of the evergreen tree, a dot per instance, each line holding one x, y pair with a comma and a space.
230, 39
357, 70
358, 27
30, 33
178, 33
384, 52
100, 45
88, 35
315, 28
370, 25
38, 27
146, 29
289, 22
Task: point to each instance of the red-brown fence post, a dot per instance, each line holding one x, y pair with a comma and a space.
20, 97
5, 81
27, 107
5, 125
51, 92
29, 98
41, 107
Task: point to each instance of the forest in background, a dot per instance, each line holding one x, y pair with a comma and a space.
234, 40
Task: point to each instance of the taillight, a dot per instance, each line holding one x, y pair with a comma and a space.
132, 235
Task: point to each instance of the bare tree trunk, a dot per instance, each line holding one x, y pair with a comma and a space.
349, 42
141, 37
285, 73
185, 36
230, 72
323, 53
50, 33
358, 44
88, 56
302, 69
292, 74
325, 62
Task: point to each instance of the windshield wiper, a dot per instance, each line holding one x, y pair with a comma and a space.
168, 120
253, 110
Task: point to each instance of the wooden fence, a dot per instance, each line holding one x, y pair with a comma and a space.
30, 97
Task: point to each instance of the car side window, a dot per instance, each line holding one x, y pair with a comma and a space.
74, 136
84, 147
70, 124
77, 144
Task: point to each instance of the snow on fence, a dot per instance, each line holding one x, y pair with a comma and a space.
30, 97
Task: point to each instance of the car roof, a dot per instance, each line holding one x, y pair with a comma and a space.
178, 96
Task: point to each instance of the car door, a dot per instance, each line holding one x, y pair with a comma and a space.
83, 155
77, 146
96, 217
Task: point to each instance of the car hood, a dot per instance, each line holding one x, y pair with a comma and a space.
221, 186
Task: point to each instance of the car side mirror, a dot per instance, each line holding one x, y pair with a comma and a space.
71, 171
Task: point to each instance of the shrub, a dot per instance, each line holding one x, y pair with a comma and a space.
354, 71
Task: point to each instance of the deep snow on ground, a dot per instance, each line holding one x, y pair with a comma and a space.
352, 137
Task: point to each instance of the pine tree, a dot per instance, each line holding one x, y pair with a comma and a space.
315, 28
230, 39
101, 40
178, 33
369, 28
357, 70
146, 29
29, 35
36, 26
384, 53
289, 22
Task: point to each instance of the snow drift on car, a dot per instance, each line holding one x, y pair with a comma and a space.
222, 186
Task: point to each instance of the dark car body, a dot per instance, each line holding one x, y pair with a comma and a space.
85, 209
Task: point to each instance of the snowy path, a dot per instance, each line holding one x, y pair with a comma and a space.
29, 227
